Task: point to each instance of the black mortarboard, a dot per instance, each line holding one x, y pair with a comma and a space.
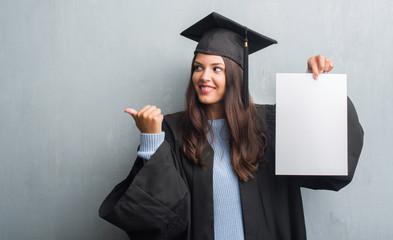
218, 35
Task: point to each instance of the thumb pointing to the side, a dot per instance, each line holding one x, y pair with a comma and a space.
131, 111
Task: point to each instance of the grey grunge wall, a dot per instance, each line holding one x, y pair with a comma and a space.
69, 68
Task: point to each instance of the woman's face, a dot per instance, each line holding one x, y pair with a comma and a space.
209, 79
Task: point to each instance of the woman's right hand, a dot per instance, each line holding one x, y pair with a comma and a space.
148, 119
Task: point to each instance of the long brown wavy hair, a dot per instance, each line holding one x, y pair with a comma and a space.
247, 142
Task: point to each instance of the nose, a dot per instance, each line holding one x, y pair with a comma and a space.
206, 75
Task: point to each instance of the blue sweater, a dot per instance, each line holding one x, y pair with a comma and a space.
228, 221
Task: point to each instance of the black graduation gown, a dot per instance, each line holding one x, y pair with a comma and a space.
170, 197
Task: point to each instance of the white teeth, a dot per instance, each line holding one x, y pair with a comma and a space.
206, 88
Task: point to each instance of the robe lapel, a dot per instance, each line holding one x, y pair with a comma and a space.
202, 205
257, 214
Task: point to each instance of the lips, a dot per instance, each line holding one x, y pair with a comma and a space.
206, 88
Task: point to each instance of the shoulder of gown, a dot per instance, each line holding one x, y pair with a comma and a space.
267, 113
153, 202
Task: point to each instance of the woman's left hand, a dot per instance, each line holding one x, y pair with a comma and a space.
319, 64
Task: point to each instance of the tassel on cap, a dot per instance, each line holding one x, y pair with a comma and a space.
245, 72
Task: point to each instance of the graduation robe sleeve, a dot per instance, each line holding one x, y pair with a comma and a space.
355, 145
153, 202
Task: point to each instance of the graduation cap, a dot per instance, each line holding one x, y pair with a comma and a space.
218, 35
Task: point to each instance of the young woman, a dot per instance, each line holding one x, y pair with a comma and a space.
208, 172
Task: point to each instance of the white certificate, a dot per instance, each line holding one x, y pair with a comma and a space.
311, 124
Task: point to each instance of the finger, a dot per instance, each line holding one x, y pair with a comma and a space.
314, 67
321, 63
131, 111
148, 111
155, 112
327, 64
330, 65
326, 68
142, 110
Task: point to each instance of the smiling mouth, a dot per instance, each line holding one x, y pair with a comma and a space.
206, 89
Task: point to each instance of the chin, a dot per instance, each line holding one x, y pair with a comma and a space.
206, 101
210, 102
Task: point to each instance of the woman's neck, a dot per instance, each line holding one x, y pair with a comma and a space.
215, 111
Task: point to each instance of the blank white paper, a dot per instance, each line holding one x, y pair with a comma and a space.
311, 124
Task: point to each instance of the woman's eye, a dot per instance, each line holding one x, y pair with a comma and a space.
197, 68
217, 69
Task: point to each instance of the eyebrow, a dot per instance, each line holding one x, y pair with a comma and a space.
213, 64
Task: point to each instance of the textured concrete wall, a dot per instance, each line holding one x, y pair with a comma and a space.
68, 68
